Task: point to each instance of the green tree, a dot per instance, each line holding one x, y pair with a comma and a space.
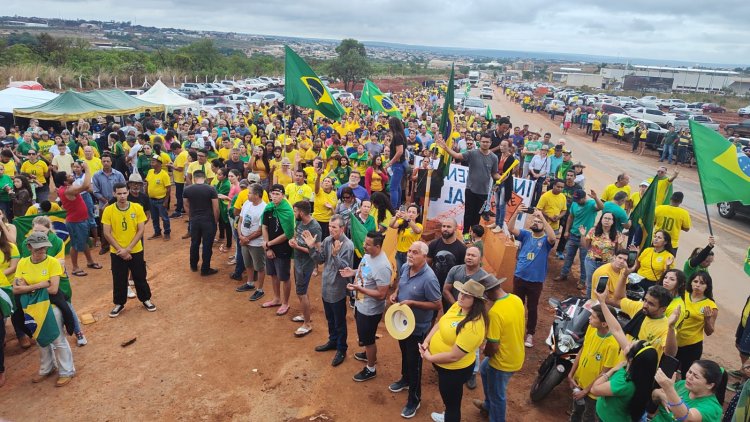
351, 65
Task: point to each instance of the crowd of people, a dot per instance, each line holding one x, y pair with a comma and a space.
283, 191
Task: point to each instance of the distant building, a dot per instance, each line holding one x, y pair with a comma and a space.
657, 78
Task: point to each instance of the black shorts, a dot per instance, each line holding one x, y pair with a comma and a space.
279, 267
367, 327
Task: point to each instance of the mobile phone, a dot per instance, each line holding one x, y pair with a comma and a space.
669, 365
632, 255
319, 165
601, 285
530, 210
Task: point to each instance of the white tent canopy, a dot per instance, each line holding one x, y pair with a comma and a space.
11, 98
161, 94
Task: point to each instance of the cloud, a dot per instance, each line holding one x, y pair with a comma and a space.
668, 29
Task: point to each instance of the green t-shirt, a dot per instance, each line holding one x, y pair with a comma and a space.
583, 215
670, 137
531, 146
615, 408
24, 147
708, 406
5, 180
688, 269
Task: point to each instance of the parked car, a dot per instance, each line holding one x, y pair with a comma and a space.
713, 108
742, 128
655, 132
655, 115
344, 96
236, 99
265, 97
255, 85
196, 89
610, 109
459, 96
475, 105
486, 93
671, 102
744, 111
730, 209
219, 89
685, 110
134, 92
682, 122
212, 101
234, 86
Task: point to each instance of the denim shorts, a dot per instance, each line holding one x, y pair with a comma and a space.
79, 235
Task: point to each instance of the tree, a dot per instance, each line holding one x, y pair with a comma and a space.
351, 65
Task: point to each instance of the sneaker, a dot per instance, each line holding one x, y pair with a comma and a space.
37, 378
81, 340
361, 356
131, 292
166, 236
497, 229
472, 382
149, 306
437, 417
116, 311
561, 277
398, 386
63, 381
237, 277
257, 295
364, 375
529, 342
410, 410
479, 404
208, 272
245, 287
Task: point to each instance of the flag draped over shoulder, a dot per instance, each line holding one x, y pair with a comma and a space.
304, 88
642, 216
24, 228
39, 318
446, 126
285, 214
723, 170
372, 97
358, 232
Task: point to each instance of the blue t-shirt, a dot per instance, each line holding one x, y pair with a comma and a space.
554, 164
621, 217
422, 287
583, 215
532, 257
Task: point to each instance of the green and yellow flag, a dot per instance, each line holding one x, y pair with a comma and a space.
24, 228
724, 171
305, 89
488, 113
39, 318
358, 232
6, 302
446, 126
372, 97
643, 218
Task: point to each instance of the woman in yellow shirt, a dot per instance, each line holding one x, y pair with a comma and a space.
700, 318
409, 231
656, 259
452, 343
259, 165
382, 211
283, 175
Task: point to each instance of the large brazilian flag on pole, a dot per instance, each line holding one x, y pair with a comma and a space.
303, 87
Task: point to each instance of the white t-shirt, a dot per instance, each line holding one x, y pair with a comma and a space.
251, 216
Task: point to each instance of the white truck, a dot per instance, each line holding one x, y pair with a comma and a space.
473, 77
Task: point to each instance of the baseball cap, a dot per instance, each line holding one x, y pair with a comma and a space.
558, 147
277, 188
545, 147
156, 157
579, 194
205, 133
645, 183
38, 240
253, 178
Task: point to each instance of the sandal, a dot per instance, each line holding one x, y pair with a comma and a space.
94, 265
302, 331
270, 304
80, 273
298, 318
222, 249
282, 310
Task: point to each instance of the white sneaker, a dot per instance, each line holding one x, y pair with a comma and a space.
492, 226
131, 293
437, 417
130, 283
497, 229
529, 341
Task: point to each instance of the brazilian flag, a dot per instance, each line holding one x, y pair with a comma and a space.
446, 126
372, 97
358, 233
488, 113
24, 228
304, 88
724, 171
39, 318
643, 216
6, 302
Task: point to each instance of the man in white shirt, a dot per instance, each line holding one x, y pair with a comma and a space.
251, 240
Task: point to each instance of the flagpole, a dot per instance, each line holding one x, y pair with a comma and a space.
427, 195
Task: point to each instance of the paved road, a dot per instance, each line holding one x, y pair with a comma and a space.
606, 159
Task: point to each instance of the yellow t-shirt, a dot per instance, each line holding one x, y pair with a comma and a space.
596, 125
386, 220
654, 331
10, 168
609, 271
291, 155
282, 178
242, 197
611, 190
157, 184
662, 187
691, 330
224, 153
38, 170
507, 326
44, 147
673, 220
406, 237
96, 152
310, 154
5, 263
552, 205
95, 164
34, 209
296, 193
635, 198
124, 224
179, 162
598, 352
321, 213
653, 264
40, 272
195, 165
469, 339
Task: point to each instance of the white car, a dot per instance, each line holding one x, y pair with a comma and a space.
475, 105
673, 102
744, 111
265, 97
486, 93
235, 99
234, 86
613, 124
134, 92
652, 114
255, 85
343, 96
682, 123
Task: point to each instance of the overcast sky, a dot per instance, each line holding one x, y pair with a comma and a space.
715, 32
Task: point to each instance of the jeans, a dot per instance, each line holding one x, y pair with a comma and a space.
411, 366
500, 207
573, 246
159, 210
336, 317
494, 384
57, 354
202, 231
398, 174
239, 262
667, 153
400, 259
562, 240
472, 205
137, 269
179, 205
585, 412
590, 266
451, 385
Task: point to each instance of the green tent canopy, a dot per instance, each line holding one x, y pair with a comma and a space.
72, 105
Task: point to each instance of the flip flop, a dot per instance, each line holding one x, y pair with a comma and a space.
94, 265
302, 331
283, 310
270, 304
298, 318
80, 273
